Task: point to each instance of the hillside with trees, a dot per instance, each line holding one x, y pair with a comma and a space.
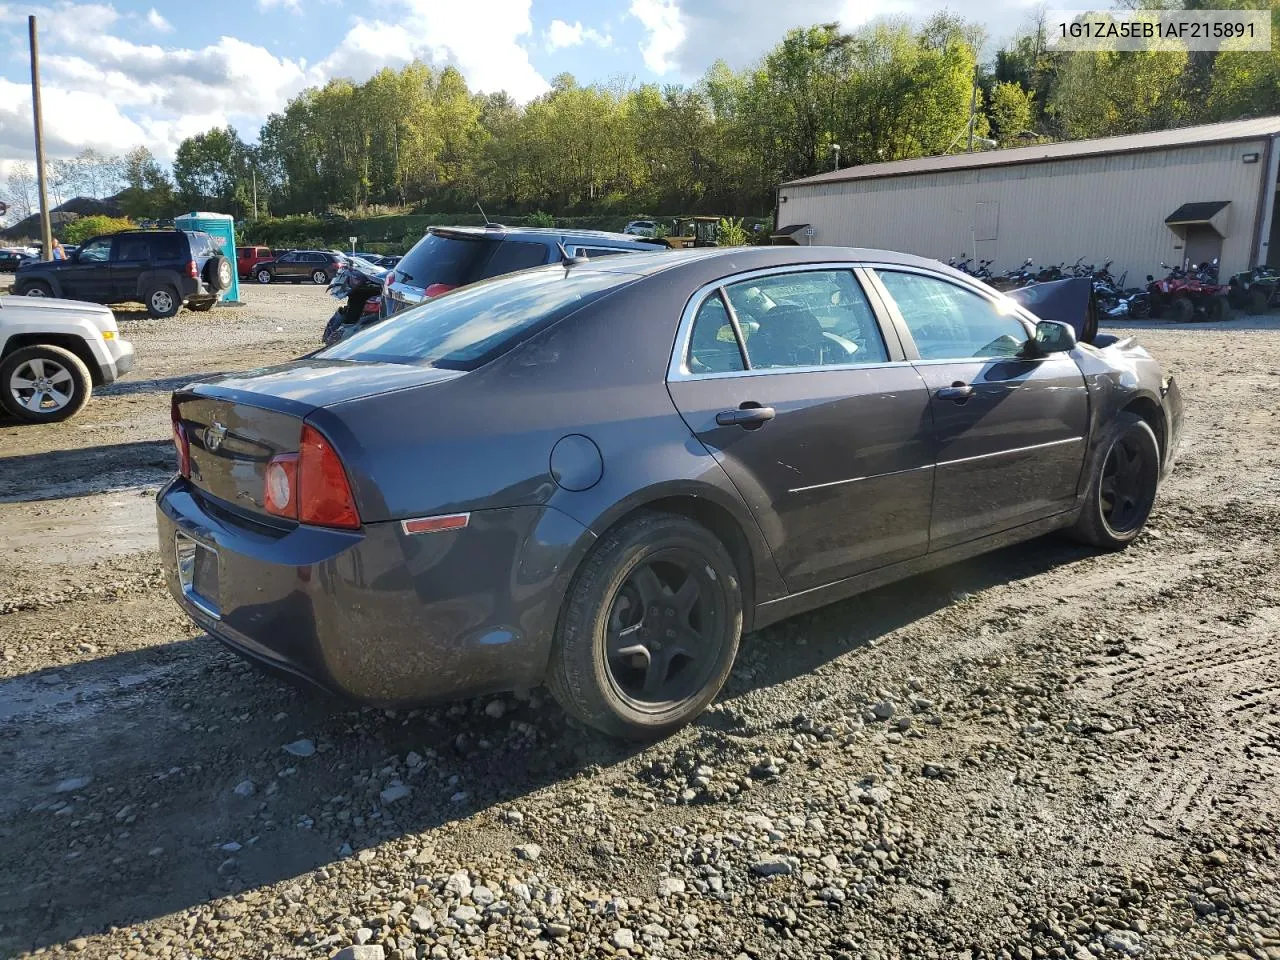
420, 139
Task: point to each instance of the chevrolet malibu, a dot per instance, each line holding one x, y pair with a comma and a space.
598, 475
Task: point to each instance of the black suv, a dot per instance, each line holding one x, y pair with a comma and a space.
161, 268
449, 257
318, 266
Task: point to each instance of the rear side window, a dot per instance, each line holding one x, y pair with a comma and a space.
451, 259
469, 327
168, 246
713, 346
513, 255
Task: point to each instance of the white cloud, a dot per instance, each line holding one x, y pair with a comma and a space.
687, 36
561, 34
666, 32
481, 38
291, 5
110, 93
157, 22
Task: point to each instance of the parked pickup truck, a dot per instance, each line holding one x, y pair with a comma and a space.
53, 353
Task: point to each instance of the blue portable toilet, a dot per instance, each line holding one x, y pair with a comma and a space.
222, 227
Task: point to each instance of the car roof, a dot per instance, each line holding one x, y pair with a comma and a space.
496, 230
728, 260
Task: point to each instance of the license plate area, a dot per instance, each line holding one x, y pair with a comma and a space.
198, 574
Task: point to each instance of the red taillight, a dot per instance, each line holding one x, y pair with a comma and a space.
310, 485
180, 440
435, 289
192, 272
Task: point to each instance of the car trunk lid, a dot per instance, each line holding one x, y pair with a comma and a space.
235, 424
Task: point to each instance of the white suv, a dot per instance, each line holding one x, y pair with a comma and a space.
53, 353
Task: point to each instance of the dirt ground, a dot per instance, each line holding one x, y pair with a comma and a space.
1044, 752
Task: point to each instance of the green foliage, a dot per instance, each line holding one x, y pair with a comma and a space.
541, 219
732, 233
1012, 108
419, 139
82, 228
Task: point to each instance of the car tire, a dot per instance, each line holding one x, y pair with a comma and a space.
67, 378
1182, 310
36, 288
319, 276
218, 274
264, 276
162, 301
1122, 491
1256, 302
649, 628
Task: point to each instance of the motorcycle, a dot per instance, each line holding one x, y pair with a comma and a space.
359, 283
1254, 290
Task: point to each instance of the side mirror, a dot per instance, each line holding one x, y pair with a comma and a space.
1050, 337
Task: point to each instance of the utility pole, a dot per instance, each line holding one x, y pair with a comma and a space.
46, 226
973, 107
835, 150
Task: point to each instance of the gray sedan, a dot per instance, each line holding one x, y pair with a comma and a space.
599, 475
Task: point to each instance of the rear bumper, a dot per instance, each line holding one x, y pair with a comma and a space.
376, 615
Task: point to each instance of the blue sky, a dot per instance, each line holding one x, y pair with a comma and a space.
118, 73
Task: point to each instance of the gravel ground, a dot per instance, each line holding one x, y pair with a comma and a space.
1040, 753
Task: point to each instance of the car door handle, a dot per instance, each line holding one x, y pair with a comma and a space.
745, 417
959, 392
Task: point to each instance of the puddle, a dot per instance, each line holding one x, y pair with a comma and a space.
55, 697
80, 529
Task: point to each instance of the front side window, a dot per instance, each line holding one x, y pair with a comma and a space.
949, 322
97, 250
133, 248
812, 318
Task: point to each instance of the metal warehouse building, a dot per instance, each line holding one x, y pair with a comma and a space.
1175, 195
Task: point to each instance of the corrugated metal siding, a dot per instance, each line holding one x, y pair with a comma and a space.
1104, 207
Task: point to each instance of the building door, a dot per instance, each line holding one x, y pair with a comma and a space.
1203, 243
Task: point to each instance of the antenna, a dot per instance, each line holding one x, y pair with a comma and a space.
570, 261
482, 213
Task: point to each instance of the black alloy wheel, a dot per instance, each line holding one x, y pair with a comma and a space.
664, 636
1126, 478
649, 628
1122, 492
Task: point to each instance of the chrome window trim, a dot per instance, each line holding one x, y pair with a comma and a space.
677, 370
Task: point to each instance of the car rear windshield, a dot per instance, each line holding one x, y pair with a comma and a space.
469, 327
452, 259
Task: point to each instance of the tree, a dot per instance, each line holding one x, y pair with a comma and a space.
1012, 109
22, 190
82, 228
148, 191
211, 171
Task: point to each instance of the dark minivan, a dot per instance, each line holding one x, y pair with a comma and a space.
449, 257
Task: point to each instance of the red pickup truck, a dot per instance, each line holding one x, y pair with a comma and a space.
248, 257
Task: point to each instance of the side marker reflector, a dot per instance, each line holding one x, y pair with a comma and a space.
453, 521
